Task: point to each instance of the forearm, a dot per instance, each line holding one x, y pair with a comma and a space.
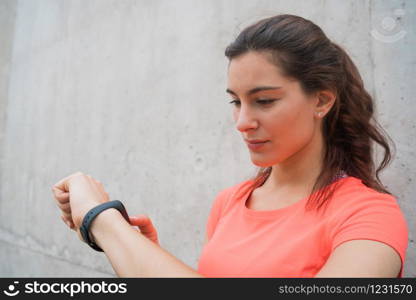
131, 254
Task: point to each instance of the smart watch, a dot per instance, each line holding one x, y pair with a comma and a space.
92, 213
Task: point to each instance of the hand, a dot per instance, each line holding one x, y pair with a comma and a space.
76, 195
146, 227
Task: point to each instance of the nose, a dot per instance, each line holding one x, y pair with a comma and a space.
245, 119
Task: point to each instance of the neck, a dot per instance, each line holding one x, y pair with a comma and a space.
301, 170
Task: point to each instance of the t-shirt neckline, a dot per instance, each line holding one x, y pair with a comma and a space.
275, 212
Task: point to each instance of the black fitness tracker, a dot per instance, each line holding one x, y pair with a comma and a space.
92, 213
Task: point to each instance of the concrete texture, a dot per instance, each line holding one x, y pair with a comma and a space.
132, 92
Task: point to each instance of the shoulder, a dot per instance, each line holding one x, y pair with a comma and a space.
234, 191
354, 200
239, 188
352, 194
230, 195
359, 212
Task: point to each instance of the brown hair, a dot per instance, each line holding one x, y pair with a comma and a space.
302, 51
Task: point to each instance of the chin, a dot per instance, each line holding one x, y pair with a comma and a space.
265, 163
262, 164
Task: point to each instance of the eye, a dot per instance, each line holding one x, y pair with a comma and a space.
235, 102
265, 101
259, 101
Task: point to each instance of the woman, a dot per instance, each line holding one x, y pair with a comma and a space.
316, 207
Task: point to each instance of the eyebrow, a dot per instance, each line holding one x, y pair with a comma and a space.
256, 89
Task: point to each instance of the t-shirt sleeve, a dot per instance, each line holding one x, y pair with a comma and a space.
377, 218
216, 211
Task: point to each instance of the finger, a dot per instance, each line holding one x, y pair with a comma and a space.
144, 223
138, 220
62, 198
67, 216
65, 207
69, 223
60, 195
145, 226
66, 221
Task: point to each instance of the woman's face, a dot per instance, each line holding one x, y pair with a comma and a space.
270, 107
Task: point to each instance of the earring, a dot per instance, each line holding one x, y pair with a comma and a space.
319, 114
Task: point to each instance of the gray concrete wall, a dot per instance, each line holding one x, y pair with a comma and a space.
132, 92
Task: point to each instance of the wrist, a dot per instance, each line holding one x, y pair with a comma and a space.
103, 223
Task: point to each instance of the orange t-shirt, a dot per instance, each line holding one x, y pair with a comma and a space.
292, 242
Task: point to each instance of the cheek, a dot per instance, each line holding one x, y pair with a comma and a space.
291, 131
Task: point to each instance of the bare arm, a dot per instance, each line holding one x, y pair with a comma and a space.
362, 258
131, 254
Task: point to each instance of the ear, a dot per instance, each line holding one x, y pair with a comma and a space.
325, 101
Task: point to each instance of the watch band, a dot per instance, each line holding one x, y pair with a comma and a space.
92, 213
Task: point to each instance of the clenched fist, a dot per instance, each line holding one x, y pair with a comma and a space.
76, 194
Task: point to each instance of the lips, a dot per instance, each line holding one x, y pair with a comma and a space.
256, 145
255, 141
